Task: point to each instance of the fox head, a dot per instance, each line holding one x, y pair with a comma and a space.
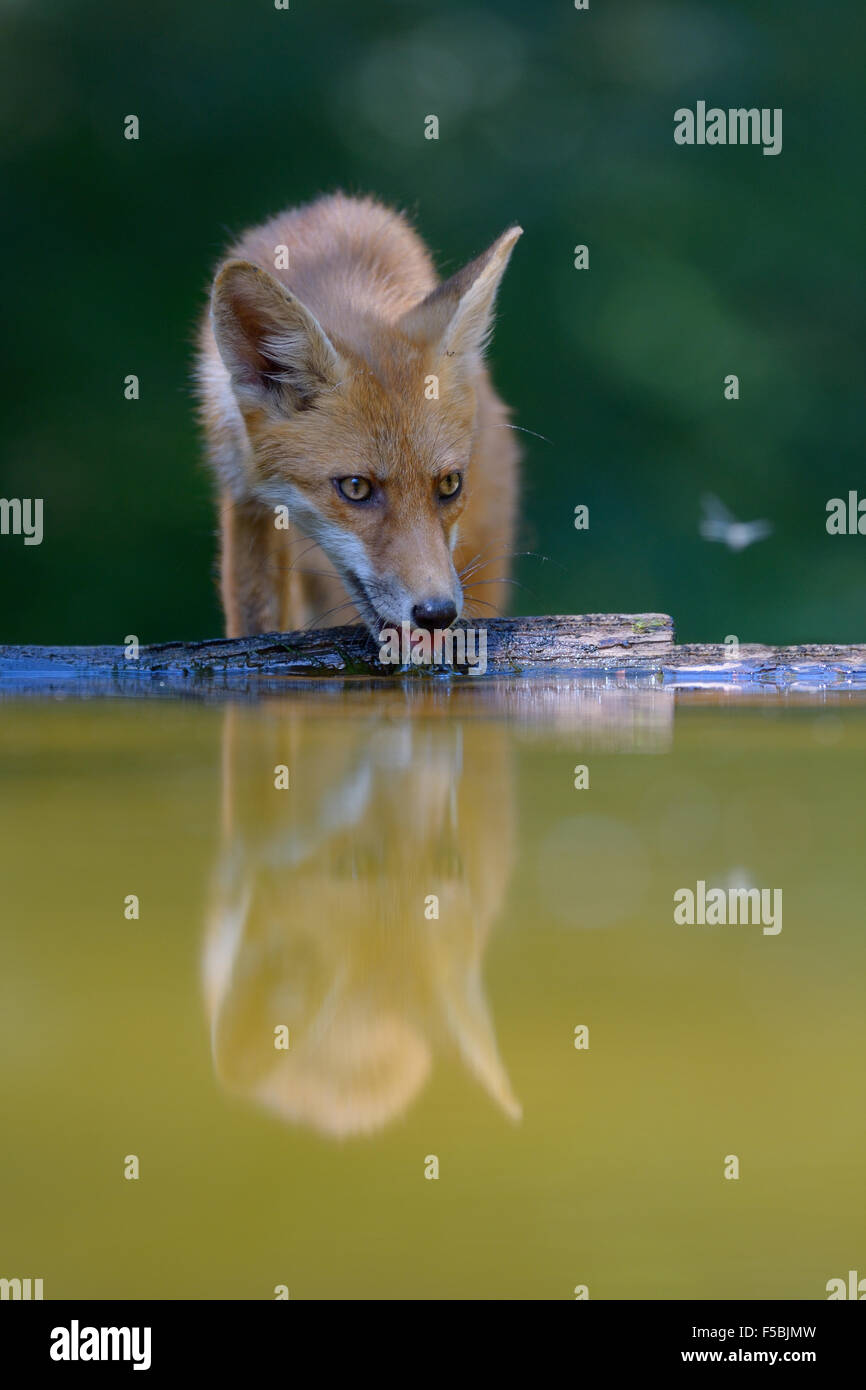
366, 435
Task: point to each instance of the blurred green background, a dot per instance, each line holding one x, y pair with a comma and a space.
703, 261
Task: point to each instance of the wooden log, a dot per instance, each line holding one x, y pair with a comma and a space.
514, 646
638, 647
696, 666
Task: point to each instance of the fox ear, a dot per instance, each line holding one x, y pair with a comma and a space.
458, 315
273, 347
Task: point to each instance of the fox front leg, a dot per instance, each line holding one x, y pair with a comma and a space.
253, 569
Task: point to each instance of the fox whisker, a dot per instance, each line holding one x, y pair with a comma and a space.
327, 613
505, 425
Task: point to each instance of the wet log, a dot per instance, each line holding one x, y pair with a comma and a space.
638, 647
503, 646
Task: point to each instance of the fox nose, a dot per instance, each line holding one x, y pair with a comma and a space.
434, 613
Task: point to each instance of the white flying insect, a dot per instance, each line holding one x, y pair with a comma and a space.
717, 524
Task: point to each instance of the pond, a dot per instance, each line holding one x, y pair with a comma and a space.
379, 992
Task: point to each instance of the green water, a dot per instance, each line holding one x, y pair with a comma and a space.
412, 1036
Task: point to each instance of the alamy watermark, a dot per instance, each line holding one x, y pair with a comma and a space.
22, 1289
846, 517
736, 126
450, 646
77, 1343
22, 516
720, 907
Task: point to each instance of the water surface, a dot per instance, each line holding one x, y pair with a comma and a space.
412, 1035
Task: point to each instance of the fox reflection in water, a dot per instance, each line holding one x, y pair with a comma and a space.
317, 918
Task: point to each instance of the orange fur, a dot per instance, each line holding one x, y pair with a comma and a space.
314, 922
323, 371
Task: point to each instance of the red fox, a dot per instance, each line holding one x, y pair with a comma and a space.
345, 401
318, 916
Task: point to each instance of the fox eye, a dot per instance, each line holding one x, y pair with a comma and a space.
450, 484
354, 489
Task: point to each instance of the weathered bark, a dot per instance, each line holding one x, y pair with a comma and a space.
514, 645
639, 645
